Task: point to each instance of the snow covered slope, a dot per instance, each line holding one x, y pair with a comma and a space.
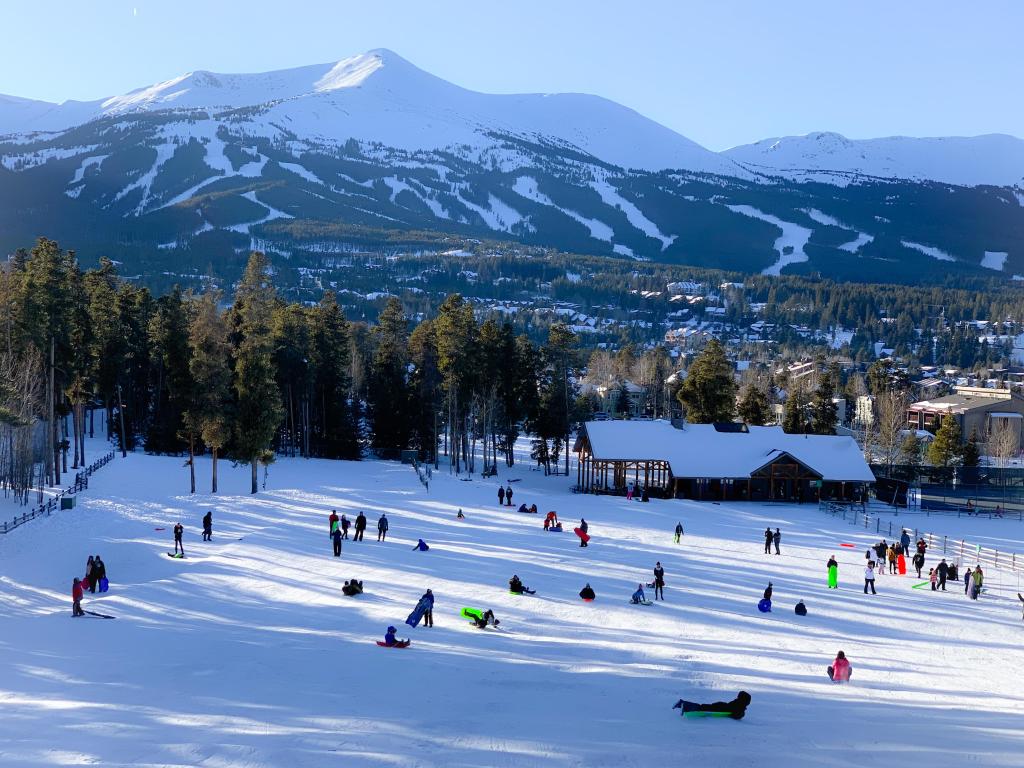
246, 654
995, 159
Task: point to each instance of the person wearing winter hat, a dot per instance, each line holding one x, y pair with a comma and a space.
735, 709
840, 670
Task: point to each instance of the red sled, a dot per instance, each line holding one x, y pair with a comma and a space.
584, 537
901, 565
399, 644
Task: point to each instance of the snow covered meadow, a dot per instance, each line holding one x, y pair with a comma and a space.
247, 654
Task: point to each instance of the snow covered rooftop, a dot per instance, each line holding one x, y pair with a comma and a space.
700, 450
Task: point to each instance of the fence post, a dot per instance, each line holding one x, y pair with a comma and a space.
943, 545
890, 529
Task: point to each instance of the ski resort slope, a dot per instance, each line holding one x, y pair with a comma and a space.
247, 655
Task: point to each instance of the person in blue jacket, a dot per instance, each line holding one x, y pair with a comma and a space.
421, 545
382, 528
639, 596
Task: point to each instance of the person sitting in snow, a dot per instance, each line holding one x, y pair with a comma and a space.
460, 516
352, 588
523, 509
639, 596
533, 509
801, 609
840, 670
487, 617
391, 641
736, 708
587, 593
768, 591
516, 587
421, 545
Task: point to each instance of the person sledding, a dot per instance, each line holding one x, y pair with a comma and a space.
393, 642
734, 709
587, 593
459, 515
523, 509
840, 670
765, 605
639, 598
352, 588
550, 519
800, 609
421, 546
516, 587
485, 619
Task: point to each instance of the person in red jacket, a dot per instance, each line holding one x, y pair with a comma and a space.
840, 670
77, 593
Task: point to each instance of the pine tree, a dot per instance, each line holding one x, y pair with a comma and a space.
171, 381
337, 427
209, 409
259, 409
823, 407
754, 408
970, 455
709, 390
558, 389
425, 391
794, 412
455, 334
945, 449
388, 392
292, 355
910, 450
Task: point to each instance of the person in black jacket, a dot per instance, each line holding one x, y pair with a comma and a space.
208, 526
352, 588
659, 581
382, 528
736, 708
943, 571
768, 541
516, 587
179, 531
99, 570
768, 591
776, 538
360, 527
587, 593
336, 540
585, 528
918, 562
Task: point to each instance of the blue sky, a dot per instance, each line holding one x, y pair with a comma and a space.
722, 72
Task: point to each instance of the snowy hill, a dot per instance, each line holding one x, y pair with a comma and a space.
247, 654
969, 161
207, 163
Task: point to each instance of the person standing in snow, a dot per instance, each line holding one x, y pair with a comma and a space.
208, 526
88, 575
501, 495
659, 581
360, 526
585, 528
942, 571
869, 578
382, 528
768, 541
891, 557
332, 522
179, 531
344, 527
905, 540
508, 496
833, 572
336, 540
922, 547
428, 611
968, 576
679, 532
99, 572
978, 579
77, 593
776, 538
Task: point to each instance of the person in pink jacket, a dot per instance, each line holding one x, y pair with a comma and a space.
840, 670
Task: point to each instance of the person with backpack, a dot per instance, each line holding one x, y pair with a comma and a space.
679, 532
208, 526
840, 670
382, 528
179, 531
659, 581
77, 593
776, 538
768, 536
869, 578
360, 527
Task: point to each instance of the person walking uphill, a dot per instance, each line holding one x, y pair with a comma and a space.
679, 532
179, 531
918, 563
659, 581
382, 528
586, 529
776, 538
768, 536
345, 523
905, 541
978, 582
360, 527
208, 526
942, 570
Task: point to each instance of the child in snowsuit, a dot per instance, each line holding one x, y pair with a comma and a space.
390, 640
639, 596
736, 708
933, 578
840, 670
486, 618
76, 598
421, 545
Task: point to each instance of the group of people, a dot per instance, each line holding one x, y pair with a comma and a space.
338, 528
505, 495
95, 578
770, 538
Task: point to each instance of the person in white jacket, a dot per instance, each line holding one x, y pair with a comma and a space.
869, 578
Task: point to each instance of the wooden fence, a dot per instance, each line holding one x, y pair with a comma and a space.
53, 503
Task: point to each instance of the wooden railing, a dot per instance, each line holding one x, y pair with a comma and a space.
53, 503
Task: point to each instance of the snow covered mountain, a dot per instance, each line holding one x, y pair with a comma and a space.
995, 159
207, 164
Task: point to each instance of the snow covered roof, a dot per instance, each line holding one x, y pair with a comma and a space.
699, 450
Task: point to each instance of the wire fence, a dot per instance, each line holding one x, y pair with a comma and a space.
964, 551
53, 503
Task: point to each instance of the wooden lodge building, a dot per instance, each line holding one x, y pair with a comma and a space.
728, 462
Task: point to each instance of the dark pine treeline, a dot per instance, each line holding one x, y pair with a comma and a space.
190, 373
